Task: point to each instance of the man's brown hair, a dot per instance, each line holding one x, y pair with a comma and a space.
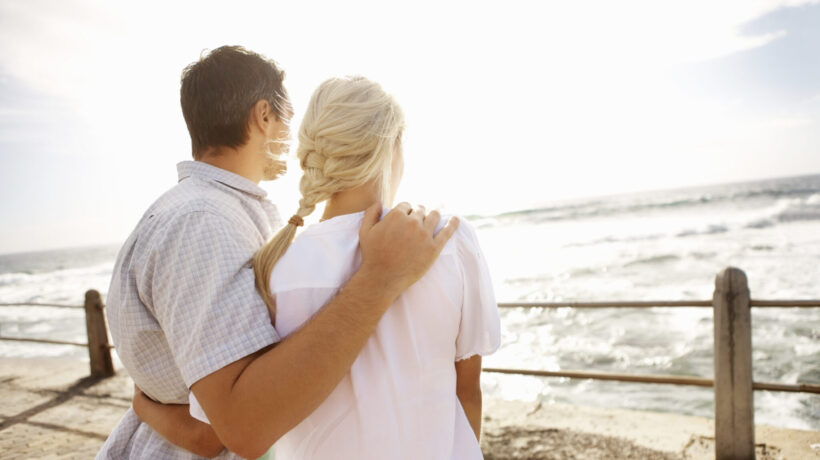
219, 90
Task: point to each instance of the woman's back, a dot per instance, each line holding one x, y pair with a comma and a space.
399, 398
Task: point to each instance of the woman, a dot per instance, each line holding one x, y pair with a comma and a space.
413, 392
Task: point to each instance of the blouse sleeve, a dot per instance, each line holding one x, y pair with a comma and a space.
480, 328
196, 410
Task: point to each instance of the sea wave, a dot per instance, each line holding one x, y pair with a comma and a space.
63, 285
760, 223
653, 260
10, 278
789, 210
13, 279
710, 229
803, 190
613, 239
800, 212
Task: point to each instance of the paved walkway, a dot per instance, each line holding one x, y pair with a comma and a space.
51, 409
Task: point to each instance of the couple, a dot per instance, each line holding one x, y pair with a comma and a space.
361, 338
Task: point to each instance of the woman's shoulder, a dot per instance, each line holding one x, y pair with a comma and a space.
464, 236
316, 260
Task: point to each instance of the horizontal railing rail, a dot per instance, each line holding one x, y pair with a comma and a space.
610, 304
36, 304
47, 341
652, 378
785, 303
655, 378
658, 304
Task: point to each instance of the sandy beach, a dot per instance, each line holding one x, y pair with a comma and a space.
51, 409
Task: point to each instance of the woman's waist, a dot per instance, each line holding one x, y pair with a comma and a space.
359, 418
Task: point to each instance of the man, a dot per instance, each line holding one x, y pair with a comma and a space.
182, 306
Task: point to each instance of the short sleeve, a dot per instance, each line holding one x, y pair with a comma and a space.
203, 294
480, 328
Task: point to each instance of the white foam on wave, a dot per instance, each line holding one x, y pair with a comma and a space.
11, 279
62, 286
32, 350
813, 199
653, 260
787, 210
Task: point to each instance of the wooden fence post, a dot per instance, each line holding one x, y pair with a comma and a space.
734, 398
99, 352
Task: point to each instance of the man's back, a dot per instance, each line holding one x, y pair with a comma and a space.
182, 302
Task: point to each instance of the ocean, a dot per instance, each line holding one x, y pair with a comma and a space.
662, 245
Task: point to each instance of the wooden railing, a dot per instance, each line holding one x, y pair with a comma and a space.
733, 384
99, 349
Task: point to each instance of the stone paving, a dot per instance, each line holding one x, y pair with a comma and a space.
51, 409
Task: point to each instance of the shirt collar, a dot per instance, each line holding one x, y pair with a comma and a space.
204, 170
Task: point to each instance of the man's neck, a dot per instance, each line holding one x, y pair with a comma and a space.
237, 161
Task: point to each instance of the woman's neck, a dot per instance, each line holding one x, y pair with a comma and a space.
350, 201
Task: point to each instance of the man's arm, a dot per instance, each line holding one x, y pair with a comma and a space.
252, 402
174, 423
468, 390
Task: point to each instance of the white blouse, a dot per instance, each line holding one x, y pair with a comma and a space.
399, 399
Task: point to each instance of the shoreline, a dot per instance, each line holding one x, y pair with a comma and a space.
52, 408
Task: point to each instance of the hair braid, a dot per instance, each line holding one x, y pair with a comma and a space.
346, 139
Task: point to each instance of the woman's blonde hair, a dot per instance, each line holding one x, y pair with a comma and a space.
346, 140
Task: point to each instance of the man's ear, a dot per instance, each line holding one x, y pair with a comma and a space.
262, 115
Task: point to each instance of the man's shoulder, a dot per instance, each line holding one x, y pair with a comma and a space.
193, 198
194, 195
190, 210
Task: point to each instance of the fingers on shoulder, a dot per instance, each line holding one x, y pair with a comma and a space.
447, 232
431, 221
371, 216
402, 208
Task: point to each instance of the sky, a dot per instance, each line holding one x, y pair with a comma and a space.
508, 104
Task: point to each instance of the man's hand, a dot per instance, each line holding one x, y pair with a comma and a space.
401, 247
138, 401
174, 423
